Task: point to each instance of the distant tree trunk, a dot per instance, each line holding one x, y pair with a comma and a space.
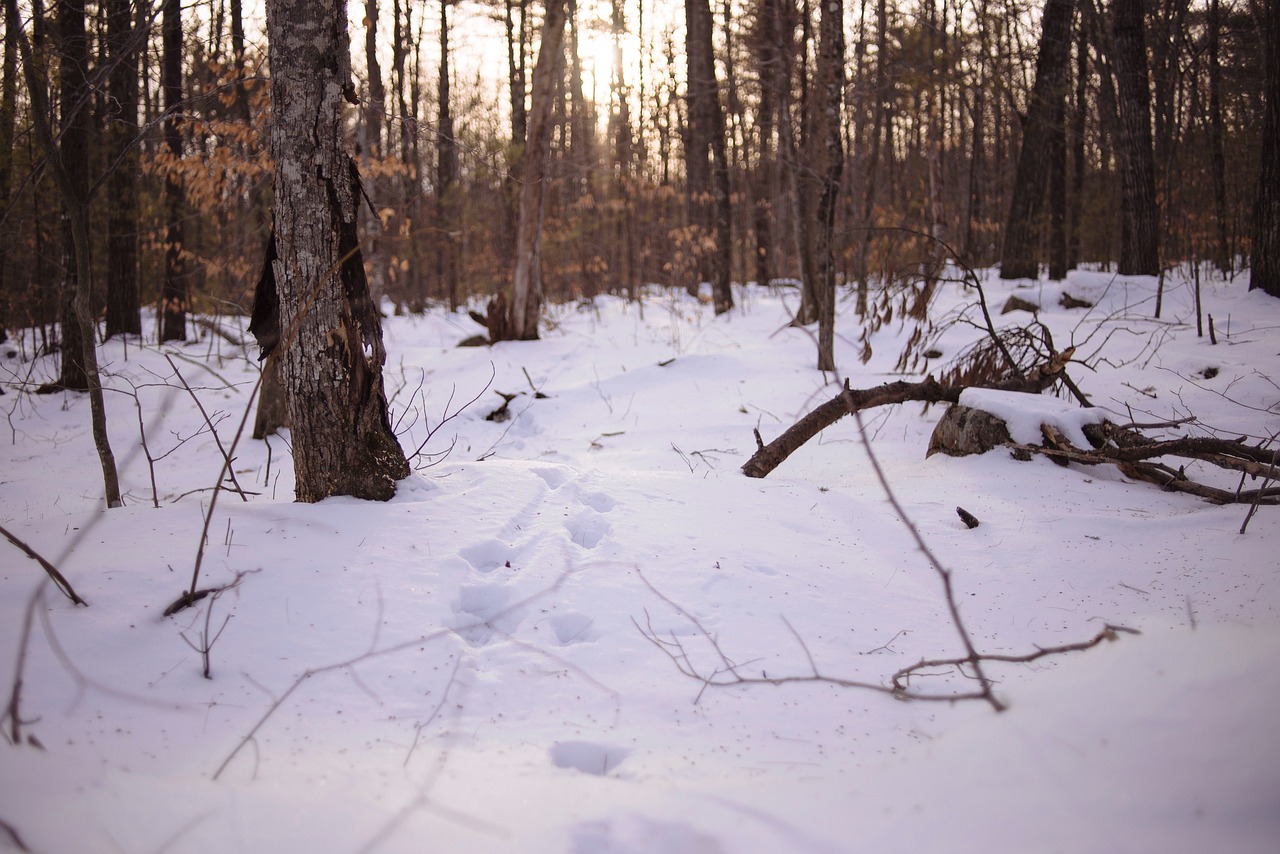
8, 108
447, 171
173, 292
1221, 252
1265, 257
879, 130
1079, 115
1058, 192
820, 178
1020, 258
527, 282
76, 202
123, 300
517, 80
706, 156
330, 332
74, 147
1140, 254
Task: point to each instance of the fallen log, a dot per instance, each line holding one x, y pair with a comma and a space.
769, 457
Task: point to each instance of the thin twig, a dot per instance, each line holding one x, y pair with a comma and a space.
50, 569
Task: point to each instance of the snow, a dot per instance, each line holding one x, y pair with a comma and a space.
1024, 414
472, 666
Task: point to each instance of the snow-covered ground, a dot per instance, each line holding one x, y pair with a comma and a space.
471, 666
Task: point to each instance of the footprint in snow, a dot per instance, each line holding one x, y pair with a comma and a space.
587, 756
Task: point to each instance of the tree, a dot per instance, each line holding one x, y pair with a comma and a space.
8, 107
1020, 258
1265, 256
820, 178
527, 281
74, 190
123, 309
173, 291
706, 162
447, 172
1139, 232
329, 334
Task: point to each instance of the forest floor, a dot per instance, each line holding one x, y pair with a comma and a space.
490, 661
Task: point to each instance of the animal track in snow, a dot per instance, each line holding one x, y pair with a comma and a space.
573, 628
487, 556
481, 610
587, 528
587, 756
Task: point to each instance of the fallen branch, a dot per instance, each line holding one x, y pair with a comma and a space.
769, 457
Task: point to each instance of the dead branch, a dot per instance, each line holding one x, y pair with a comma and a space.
731, 674
850, 400
1130, 451
58, 579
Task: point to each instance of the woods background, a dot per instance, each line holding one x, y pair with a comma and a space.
686, 145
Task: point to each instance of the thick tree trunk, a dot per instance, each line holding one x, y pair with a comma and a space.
123, 300
1265, 258
1140, 254
330, 332
1020, 258
173, 291
527, 282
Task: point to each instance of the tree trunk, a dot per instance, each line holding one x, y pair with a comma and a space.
123, 300
1265, 258
1021, 234
8, 109
1140, 254
331, 335
76, 202
447, 172
173, 292
74, 148
527, 281
705, 155
1221, 252
820, 178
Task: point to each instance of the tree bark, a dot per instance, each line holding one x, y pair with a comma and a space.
1021, 234
123, 299
1140, 253
1265, 256
331, 335
527, 282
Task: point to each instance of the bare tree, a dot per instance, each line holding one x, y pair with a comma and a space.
327, 327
